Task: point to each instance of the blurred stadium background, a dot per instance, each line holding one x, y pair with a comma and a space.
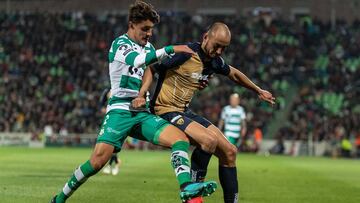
53, 69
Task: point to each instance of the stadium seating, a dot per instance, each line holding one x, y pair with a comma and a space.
54, 68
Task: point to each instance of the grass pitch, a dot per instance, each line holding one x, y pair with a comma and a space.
35, 175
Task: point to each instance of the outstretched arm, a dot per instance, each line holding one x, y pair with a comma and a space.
241, 79
243, 128
138, 60
124, 53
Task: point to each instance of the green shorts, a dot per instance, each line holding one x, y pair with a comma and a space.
118, 124
232, 140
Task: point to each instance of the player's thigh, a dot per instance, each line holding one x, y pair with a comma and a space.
158, 131
115, 128
199, 119
197, 132
210, 136
170, 135
232, 140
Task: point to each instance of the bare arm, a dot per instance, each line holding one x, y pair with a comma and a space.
241, 79
243, 128
146, 83
126, 54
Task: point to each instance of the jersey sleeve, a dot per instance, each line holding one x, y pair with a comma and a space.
220, 67
124, 52
243, 114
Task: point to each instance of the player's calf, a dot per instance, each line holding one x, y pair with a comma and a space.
99, 158
101, 155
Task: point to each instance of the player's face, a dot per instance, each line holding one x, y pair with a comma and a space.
214, 45
142, 31
234, 100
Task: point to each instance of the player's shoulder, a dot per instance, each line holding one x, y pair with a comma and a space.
219, 66
149, 46
123, 39
219, 62
178, 59
124, 42
195, 46
240, 108
121, 43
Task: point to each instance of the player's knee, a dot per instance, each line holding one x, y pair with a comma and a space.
209, 144
97, 164
231, 154
177, 136
183, 139
98, 160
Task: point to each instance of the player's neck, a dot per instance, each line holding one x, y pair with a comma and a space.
131, 36
202, 48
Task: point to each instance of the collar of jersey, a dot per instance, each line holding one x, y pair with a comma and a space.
132, 40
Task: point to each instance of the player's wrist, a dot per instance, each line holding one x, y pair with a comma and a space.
257, 89
169, 49
141, 95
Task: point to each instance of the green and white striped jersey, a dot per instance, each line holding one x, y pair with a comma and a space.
232, 120
127, 63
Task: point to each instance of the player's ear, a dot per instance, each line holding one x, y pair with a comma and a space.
131, 25
205, 37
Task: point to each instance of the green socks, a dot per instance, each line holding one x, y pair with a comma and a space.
180, 161
80, 175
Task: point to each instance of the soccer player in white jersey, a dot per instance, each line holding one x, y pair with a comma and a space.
129, 56
233, 120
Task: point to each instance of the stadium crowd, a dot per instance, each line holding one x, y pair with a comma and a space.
54, 67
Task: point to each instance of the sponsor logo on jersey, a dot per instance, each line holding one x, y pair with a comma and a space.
111, 130
137, 71
199, 76
101, 132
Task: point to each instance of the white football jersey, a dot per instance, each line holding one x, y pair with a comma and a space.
127, 63
232, 120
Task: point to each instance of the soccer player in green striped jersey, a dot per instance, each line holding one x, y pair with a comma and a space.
129, 56
233, 120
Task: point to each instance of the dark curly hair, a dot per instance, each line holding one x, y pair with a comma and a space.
141, 11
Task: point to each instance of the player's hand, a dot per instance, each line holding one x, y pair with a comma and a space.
204, 83
266, 96
183, 49
138, 102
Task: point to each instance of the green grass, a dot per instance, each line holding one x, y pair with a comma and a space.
34, 175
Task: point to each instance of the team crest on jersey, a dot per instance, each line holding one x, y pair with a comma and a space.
180, 121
